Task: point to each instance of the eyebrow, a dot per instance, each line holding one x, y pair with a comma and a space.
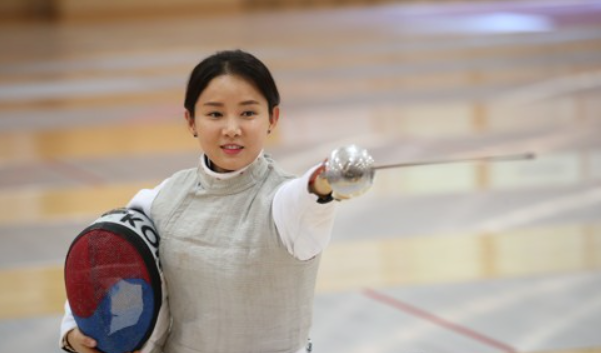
218, 104
249, 102
214, 104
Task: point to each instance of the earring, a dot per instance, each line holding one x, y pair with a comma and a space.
268, 131
195, 135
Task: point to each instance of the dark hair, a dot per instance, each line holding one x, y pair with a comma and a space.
233, 62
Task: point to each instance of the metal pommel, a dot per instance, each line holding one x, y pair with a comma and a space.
349, 171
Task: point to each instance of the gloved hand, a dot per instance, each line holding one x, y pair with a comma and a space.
347, 173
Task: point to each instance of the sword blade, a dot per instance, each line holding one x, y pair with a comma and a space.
496, 158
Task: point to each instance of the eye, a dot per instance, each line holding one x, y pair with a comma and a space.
214, 115
249, 113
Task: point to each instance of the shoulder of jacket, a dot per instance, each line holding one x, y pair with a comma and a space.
179, 178
278, 171
184, 174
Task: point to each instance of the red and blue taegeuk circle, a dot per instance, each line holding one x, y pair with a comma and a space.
109, 289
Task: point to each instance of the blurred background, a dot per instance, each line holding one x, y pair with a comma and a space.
461, 258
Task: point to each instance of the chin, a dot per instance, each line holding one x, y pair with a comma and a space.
230, 167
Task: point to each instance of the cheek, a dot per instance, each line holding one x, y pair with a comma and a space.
259, 125
207, 135
207, 128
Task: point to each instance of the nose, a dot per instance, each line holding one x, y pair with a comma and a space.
232, 127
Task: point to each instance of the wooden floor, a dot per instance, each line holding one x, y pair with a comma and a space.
468, 257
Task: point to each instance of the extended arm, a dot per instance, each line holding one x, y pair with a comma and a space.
304, 224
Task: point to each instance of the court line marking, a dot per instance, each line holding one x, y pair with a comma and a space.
578, 314
415, 311
74, 172
546, 209
554, 87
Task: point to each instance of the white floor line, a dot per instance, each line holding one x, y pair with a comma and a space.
537, 337
536, 212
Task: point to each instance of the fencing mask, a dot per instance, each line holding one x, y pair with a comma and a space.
114, 281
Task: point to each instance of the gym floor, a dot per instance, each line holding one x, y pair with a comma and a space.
458, 258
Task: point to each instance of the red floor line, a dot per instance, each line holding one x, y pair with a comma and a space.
410, 309
75, 173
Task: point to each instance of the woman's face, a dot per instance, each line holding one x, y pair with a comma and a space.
232, 122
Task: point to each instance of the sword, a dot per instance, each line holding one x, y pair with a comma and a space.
495, 158
350, 169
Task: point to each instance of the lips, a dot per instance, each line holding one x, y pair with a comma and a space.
231, 148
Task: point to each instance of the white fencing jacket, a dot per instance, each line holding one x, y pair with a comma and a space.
294, 208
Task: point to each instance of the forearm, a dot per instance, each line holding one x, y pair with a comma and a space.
304, 225
67, 324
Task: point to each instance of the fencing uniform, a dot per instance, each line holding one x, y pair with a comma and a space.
240, 254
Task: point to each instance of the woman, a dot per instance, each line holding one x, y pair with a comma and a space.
240, 238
